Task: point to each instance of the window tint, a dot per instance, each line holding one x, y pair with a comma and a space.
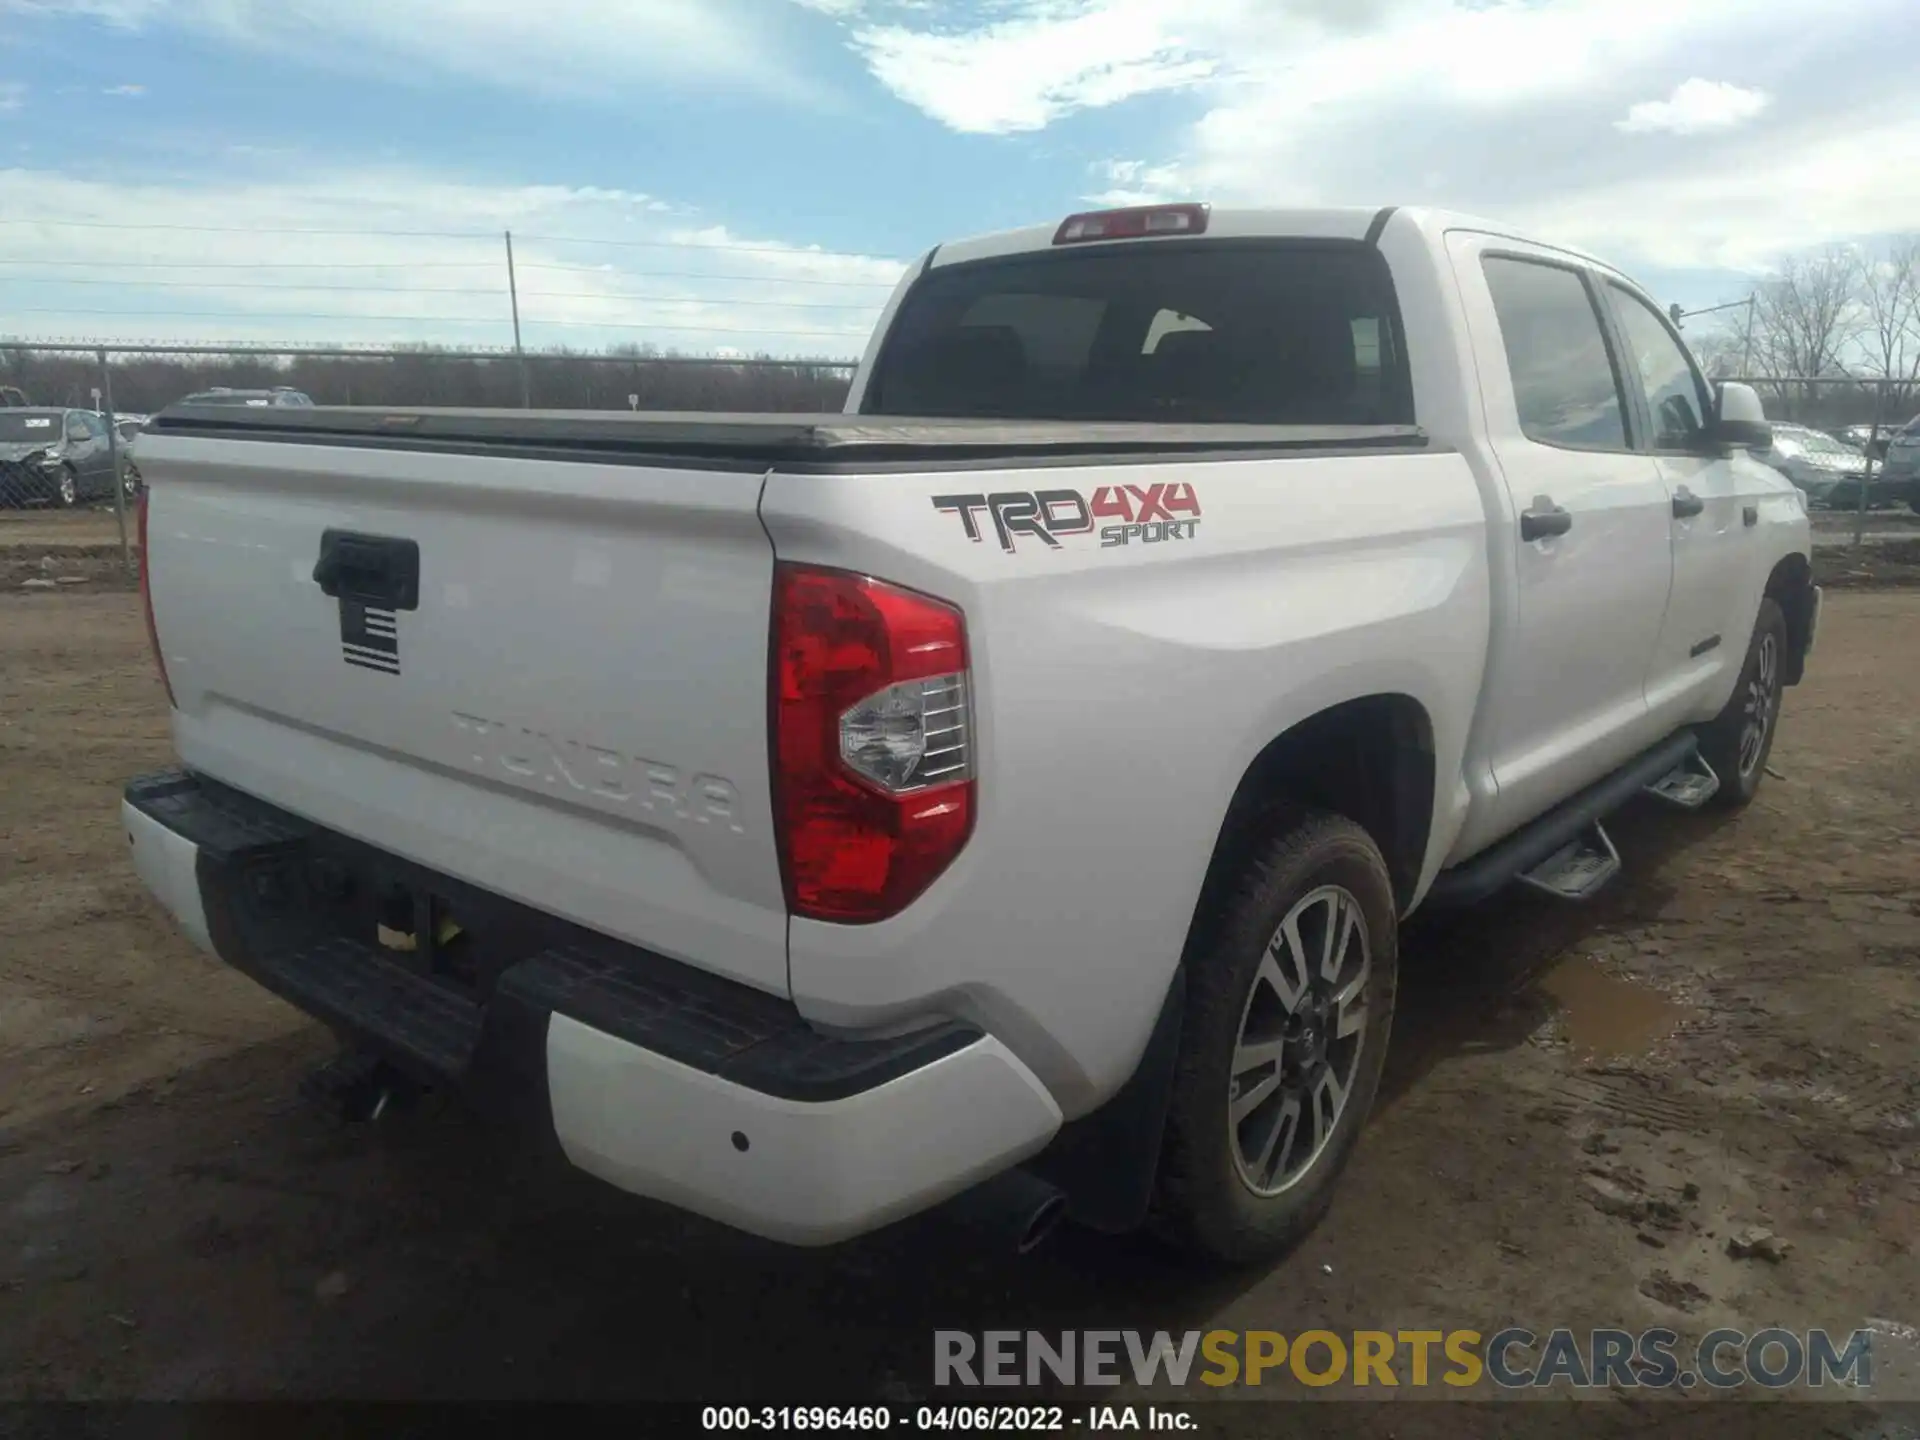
1271, 333
1674, 393
1563, 380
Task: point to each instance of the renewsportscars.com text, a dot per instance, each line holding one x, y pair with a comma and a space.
1513, 1358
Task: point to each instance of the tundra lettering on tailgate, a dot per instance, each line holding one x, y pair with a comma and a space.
1146, 513
617, 781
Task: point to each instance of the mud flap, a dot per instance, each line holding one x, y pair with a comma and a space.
1106, 1162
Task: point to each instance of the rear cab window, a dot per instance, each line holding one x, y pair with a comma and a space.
1229, 331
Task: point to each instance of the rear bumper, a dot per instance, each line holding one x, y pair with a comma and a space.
660, 1078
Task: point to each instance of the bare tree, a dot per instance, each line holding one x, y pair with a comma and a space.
1721, 348
1806, 317
1889, 336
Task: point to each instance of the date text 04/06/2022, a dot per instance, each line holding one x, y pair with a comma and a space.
1011, 1419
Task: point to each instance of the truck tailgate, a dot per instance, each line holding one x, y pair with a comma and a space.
569, 709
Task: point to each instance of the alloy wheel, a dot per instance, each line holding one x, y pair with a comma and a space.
1297, 1053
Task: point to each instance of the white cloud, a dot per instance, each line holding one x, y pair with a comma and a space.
1506, 107
1695, 106
403, 255
1024, 72
13, 96
1135, 182
572, 47
131, 92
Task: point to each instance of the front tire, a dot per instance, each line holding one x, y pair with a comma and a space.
66, 488
1737, 742
1291, 984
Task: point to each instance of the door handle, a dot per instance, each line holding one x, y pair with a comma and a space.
377, 570
1544, 518
1686, 504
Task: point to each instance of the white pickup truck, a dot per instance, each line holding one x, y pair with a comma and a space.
1002, 796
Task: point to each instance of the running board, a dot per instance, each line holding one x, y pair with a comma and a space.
1535, 844
1688, 786
1579, 868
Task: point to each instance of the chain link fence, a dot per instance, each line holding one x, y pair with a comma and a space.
70, 413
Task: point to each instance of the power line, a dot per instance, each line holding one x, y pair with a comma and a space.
720, 300
250, 229
705, 275
272, 285
421, 235
437, 320
467, 290
297, 351
692, 245
441, 265
264, 264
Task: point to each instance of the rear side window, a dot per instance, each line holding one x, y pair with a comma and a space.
1563, 380
1230, 332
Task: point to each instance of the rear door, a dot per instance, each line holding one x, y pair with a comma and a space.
545, 677
1714, 498
1585, 531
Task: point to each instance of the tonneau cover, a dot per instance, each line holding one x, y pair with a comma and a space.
765, 439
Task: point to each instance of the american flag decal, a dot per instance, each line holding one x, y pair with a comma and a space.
370, 637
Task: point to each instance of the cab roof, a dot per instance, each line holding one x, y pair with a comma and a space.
1297, 223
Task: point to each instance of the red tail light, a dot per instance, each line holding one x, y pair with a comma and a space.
873, 744
146, 594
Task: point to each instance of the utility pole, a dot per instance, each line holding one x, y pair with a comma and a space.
1678, 315
520, 355
105, 391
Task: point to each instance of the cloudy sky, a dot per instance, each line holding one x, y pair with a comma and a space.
750, 175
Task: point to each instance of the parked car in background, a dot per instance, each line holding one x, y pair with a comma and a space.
125, 428
54, 457
1900, 479
1825, 468
11, 395
259, 399
1869, 439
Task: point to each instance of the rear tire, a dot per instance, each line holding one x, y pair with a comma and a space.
1737, 742
1278, 1068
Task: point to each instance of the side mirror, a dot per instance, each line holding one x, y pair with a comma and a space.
1740, 420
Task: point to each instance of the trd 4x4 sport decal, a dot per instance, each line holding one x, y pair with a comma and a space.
1146, 513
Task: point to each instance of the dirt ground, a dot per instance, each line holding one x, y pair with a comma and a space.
1582, 1105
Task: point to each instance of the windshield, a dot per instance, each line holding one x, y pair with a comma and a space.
17, 425
1818, 444
1269, 332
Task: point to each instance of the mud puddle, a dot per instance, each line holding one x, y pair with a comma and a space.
1604, 1017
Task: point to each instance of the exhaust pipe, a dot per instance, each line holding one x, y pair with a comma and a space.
359, 1087
1014, 1209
